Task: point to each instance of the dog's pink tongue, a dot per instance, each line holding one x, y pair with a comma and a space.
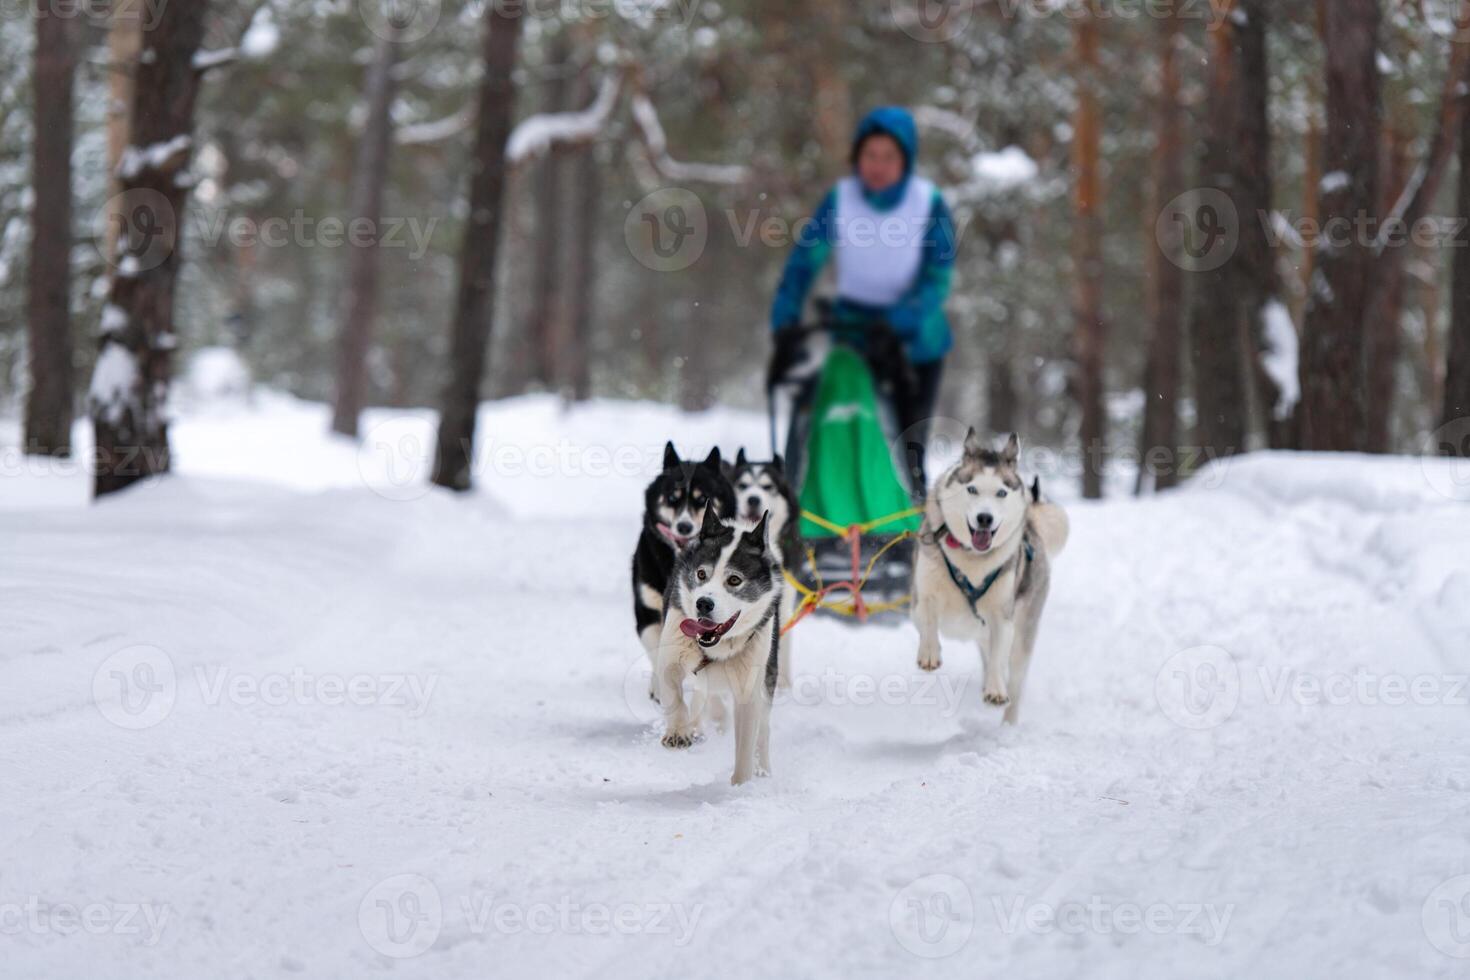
982, 538
698, 627
704, 627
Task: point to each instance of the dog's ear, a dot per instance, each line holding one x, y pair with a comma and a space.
740, 458
712, 526
1012, 451
713, 459
778, 464
973, 446
671, 455
758, 538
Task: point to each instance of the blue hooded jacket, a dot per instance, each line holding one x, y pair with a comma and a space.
919, 316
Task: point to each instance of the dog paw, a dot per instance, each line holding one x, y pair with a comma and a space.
997, 697
929, 661
677, 740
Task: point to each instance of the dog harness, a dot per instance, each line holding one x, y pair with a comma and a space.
968, 589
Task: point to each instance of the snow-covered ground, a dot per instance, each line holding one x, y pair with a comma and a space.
288, 712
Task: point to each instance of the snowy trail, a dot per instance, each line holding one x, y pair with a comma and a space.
501, 806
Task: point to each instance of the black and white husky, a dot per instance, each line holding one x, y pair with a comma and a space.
983, 567
674, 507
761, 488
722, 627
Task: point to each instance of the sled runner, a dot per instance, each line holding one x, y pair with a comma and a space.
834, 392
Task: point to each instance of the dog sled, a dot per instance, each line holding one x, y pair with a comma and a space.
834, 401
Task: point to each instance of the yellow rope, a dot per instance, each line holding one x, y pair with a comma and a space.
814, 598
866, 528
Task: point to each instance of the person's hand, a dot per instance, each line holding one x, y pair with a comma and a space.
789, 344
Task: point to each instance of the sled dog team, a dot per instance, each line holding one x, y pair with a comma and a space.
710, 597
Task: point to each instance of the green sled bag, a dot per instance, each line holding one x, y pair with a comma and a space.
850, 476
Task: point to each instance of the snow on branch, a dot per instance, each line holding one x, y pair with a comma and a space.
657, 144
164, 157
205, 60
537, 134
436, 130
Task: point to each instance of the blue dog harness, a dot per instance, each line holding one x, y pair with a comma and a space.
968, 589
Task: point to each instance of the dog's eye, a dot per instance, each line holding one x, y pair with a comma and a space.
974, 491
1001, 493
734, 581
702, 574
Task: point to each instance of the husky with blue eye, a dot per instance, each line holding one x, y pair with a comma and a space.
983, 567
722, 629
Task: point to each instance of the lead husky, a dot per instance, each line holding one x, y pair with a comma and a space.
983, 567
721, 625
762, 489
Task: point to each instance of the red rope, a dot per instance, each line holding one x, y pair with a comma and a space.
854, 535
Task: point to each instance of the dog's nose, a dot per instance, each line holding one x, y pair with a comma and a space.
984, 520
753, 500
684, 527
705, 606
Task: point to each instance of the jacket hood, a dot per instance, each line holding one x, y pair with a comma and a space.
894, 121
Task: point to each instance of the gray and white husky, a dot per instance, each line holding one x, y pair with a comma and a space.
983, 567
762, 491
722, 627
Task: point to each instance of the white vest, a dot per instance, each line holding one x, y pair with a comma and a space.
878, 253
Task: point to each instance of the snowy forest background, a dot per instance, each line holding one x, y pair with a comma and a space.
1064, 134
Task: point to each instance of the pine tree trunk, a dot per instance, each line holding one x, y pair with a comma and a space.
475, 303
545, 333
1089, 328
1412, 199
1002, 400
134, 362
1217, 306
1382, 339
1333, 413
1260, 286
369, 178
832, 120
1457, 363
48, 403
587, 180
1159, 440
124, 43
